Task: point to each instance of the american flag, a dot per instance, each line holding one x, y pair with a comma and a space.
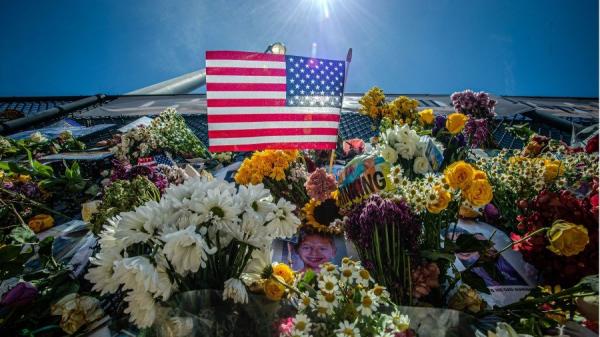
259, 101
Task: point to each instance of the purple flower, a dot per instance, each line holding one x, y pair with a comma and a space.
440, 123
378, 213
21, 294
8, 185
477, 131
474, 104
30, 190
490, 213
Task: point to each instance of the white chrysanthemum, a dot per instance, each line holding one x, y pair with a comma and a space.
368, 303
218, 206
302, 323
141, 308
235, 290
251, 231
107, 238
389, 154
421, 165
137, 273
187, 250
102, 274
305, 302
130, 228
347, 329
328, 283
283, 223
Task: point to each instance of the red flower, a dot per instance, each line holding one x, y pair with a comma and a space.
592, 145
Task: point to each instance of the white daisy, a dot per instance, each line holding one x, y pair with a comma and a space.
368, 303
302, 323
324, 311
256, 200
187, 250
363, 277
304, 302
328, 283
399, 322
260, 259
347, 329
347, 274
282, 222
218, 206
235, 290
327, 300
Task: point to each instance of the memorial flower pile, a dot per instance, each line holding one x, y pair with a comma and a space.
402, 110
200, 235
167, 132
401, 145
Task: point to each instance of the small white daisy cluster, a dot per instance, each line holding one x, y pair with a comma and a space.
200, 231
521, 175
135, 143
401, 142
346, 303
418, 193
580, 165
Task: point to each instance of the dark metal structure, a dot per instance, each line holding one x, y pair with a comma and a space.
558, 118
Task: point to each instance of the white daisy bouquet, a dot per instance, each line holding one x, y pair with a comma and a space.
344, 301
200, 235
402, 145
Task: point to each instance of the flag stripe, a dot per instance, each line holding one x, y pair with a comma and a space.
271, 139
245, 79
218, 134
271, 125
245, 71
242, 55
243, 110
277, 117
244, 87
281, 146
210, 103
244, 64
245, 94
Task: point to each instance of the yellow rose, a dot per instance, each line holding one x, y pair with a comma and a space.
467, 212
567, 239
459, 174
554, 169
456, 122
274, 290
283, 270
41, 222
426, 116
442, 201
479, 192
24, 178
477, 174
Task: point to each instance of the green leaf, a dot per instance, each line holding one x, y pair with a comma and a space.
9, 252
23, 234
435, 255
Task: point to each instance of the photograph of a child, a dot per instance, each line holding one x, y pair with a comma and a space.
308, 250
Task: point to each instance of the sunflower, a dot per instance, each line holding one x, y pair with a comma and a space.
320, 214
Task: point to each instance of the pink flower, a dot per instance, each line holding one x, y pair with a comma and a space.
320, 184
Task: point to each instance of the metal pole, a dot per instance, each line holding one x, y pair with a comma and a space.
179, 85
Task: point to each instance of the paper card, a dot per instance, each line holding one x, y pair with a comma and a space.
434, 155
363, 176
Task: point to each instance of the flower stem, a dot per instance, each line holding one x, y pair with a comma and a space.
522, 239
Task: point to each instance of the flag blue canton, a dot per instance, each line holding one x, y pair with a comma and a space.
314, 82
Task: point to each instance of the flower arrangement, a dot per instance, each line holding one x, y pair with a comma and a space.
200, 235
402, 110
403, 146
344, 301
479, 107
39, 145
167, 132
280, 172
386, 233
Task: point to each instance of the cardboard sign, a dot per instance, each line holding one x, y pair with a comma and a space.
363, 176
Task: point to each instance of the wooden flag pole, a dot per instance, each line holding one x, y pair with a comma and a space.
348, 60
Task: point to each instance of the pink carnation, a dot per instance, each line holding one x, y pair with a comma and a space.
320, 184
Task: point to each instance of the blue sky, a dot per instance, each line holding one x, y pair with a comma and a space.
507, 47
